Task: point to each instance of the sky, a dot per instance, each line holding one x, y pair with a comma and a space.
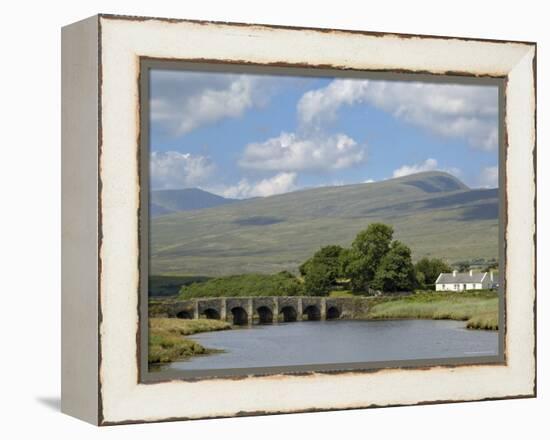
243, 135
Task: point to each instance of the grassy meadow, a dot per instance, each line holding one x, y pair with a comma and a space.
167, 341
478, 308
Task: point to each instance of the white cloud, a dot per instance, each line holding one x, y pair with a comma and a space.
318, 106
369, 181
184, 101
278, 184
452, 110
489, 177
171, 170
428, 165
405, 170
293, 152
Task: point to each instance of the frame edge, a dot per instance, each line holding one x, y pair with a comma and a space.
80, 222
108, 420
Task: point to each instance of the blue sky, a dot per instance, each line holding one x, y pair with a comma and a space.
241, 135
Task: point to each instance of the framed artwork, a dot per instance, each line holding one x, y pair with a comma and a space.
263, 219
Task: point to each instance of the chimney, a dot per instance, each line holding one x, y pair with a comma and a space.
454, 273
491, 276
471, 273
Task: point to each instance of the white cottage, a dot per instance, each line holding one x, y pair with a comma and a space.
460, 281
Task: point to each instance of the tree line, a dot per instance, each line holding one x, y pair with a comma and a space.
375, 261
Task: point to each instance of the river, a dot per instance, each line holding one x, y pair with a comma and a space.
326, 342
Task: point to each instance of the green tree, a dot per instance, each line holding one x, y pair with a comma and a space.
352, 268
420, 279
430, 268
303, 268
321, 271
330, 257
360, 264
396, 271
318, 281
347, 256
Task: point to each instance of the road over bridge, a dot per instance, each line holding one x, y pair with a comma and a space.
267, 309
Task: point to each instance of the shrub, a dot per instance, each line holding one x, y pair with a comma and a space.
280, 284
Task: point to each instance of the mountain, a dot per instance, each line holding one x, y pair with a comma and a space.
169, 201
433, 212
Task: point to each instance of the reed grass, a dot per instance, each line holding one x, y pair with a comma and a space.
167, 341
479, 310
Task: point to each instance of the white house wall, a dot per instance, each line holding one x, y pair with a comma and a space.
453, 286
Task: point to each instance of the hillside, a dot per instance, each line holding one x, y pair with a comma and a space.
433, 212
170, 201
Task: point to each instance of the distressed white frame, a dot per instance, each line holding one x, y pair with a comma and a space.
122, 41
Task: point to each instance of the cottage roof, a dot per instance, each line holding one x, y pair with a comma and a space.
460, 277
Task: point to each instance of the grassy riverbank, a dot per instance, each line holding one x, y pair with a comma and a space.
479, 309
167, 341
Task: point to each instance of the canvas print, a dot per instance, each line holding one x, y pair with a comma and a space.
309, 221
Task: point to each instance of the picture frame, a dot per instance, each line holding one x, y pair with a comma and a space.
104, 171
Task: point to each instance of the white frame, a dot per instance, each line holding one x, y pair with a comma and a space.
101, 255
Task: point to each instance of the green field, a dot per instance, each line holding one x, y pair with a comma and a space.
478, 308
434, 213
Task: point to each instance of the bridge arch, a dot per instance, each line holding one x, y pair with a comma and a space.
283, 309
211, 313
240, 317
184, 314
333, 312
265, 315
313, 313
289, 314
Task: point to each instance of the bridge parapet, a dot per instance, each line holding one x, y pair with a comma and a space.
268, 309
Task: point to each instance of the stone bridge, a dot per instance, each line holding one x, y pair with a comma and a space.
267, 309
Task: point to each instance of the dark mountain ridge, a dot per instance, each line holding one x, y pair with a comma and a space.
169, 201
